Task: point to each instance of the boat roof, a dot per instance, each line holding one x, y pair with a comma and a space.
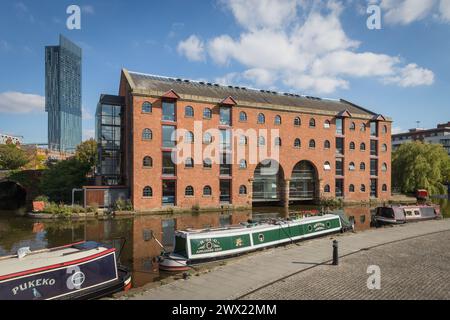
48, 257
255, 226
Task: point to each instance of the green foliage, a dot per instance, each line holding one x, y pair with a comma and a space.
418, 165
331, 203
87, 153
123, 205
59, 180
42, 198
12, 158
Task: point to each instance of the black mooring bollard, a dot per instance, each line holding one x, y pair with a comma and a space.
335, 253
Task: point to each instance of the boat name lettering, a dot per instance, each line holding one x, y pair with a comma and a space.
33, 284
209, 245
319, 226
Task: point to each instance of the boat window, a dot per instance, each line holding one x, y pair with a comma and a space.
417, 212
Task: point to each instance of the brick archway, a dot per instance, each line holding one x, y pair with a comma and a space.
268, 182
304, 182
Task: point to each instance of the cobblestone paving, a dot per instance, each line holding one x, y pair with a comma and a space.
410, 270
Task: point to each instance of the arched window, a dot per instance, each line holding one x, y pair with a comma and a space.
207, 138
147, 162
297, 122
352, 126
362, 147
384, 167
242, 190
327, 166
312, 123
261, 141
352, 188
189, 112
243, 116
362, 166
207, 191
243, 140
297, 143
352, 146
243, 164
363, 188
363, 127
189, 191
327, 124
327, 144
207, 163
384, 148
277, 142
352, 166
147, 192
385, 129
277, 120
261, 118
312, 144
189, 137
147, 107
189, 163
147, 134
207, 113
327, 189
384, 188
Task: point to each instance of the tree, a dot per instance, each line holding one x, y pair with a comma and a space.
418, 165
12, 158
59, 180
87, 153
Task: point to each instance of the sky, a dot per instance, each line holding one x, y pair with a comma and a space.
320, 48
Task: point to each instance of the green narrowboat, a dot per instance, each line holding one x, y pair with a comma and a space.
194, 246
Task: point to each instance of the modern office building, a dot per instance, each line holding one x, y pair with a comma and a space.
325, 148
438, 135
63, 95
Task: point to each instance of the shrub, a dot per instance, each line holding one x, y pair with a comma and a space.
42, 198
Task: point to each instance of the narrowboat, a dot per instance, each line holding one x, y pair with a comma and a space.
404, 214
80, 271
196, 246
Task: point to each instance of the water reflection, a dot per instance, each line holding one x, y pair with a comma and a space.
136, 234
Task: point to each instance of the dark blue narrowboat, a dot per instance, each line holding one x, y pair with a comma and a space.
81, 271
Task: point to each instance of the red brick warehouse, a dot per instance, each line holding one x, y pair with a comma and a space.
327, 148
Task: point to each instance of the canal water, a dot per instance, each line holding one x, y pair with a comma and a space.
133, 236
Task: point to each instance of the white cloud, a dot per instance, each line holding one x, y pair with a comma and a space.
404, 12
412, 76
444, 9
193, 48
19, 103
307, 50
254, 14
86, 114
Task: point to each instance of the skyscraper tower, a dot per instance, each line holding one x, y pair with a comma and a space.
63, 95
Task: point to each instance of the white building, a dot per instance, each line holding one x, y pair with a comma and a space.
9, 139
439, 135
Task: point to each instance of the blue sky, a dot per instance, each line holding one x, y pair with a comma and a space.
321, 48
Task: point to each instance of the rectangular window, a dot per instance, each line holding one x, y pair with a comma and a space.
169, 191
225, 140
339, 126
339, 167
340, 146
225, 164
374, 129
374, 188
374, 167
225, 116
339, 188
169, 138
373, 147
168, 109
225, 191
169, 167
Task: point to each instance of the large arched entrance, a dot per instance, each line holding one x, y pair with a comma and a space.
304, 182
268, 182
12, 195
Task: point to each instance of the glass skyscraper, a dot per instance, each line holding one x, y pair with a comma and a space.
63, 95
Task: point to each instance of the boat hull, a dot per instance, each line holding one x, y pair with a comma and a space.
197, 247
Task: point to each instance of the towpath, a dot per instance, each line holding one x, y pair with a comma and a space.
414, 261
